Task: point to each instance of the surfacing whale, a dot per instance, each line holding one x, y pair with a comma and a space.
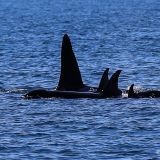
71, 84
109, 89
143, 94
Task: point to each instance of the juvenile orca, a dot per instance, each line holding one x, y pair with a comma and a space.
104, 80
111, 89
70, 83
143, 94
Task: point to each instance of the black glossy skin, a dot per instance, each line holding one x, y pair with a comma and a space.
70, 77
108, 90
71, 85
111, 89
144, 94
61, 94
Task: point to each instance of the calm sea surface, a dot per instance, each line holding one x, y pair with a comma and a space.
119, 34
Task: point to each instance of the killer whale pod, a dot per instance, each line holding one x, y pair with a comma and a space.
109, 89
70, 83
143, 94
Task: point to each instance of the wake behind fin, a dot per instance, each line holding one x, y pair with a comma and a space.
111, 89
104, 80
70, 76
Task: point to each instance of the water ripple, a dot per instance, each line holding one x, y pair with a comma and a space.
120, 34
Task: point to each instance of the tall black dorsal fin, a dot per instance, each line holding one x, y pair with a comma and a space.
131, 92
103, 81
112, 90
70, 77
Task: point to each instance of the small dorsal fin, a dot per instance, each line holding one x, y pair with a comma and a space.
114, 79
131, 91
70, 76
112, 90
103, 81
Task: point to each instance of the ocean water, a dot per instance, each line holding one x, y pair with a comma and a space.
115, 34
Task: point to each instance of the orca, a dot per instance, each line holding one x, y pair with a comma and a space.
143, 94
108, 90
104, 80
71, 84
111, 89
70, 77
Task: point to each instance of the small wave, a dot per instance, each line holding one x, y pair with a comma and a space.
16, 90
2, 90
124, 95
142, 89
123, 159
13, 90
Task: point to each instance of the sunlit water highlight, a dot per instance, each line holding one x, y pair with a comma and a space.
119, 34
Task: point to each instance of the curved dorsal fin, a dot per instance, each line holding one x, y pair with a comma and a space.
103, 81
112, 90
131, 91
113, 82
70, 77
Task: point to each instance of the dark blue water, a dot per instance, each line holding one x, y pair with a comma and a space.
119, 34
